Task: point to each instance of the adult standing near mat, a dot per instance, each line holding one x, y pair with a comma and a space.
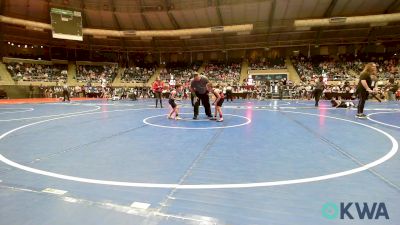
281, 87
158, 87
318, 89
228, 92
65, 92
365, 87
30, 91
391, 88
198, 85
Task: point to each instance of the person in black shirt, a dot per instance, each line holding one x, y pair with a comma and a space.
318, 89
281, 87
365, 87
41, 91
391, 88
198, 86
229, 93
30, 91
65, 92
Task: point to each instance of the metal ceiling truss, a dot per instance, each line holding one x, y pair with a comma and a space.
173, 20
264, 38
221, 21
145, 22
200, 47
170, 16
393, 6
327, 14
115, 18
271, 16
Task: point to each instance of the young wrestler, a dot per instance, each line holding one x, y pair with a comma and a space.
175, 95
341, 104
219, 99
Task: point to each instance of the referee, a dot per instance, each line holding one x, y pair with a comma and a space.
198, 86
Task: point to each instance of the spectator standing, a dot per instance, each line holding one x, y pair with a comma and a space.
30, 91
391, 88
229, 94
158, 87
65, 92
365, 87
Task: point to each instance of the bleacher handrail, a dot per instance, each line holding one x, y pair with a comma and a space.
34, 61
90, 63
267, 71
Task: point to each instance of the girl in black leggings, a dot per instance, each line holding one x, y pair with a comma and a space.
365, 87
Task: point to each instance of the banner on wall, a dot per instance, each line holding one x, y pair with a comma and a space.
265, 77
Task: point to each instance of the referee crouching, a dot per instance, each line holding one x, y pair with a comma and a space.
198, 85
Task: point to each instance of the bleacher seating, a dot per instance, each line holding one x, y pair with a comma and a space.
181, 72
267, 63
339, 68
94, 73
138, 74
221, 72
36, 72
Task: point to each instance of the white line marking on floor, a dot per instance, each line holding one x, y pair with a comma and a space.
145, 120
54, 191
69, 199
386, 124
367, 166
38, 117
22, 110
140, 205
